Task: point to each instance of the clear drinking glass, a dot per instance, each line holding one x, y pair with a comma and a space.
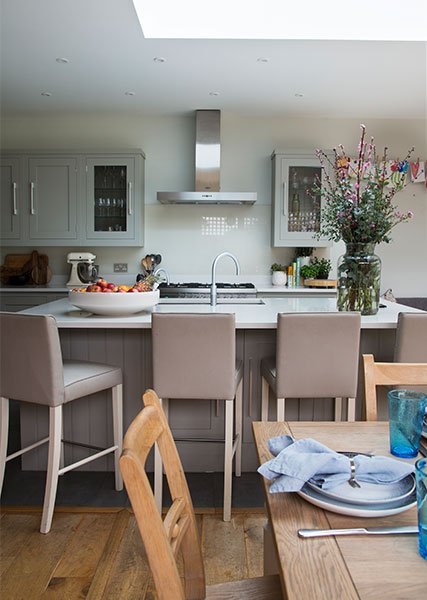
405, 411
421, 475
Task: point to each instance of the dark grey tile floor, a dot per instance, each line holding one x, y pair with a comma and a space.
94, 488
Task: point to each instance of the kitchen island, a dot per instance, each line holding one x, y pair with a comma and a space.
126, 341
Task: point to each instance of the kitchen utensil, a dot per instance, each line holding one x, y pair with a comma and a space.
309, 533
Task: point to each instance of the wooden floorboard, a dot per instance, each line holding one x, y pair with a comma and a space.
98, 554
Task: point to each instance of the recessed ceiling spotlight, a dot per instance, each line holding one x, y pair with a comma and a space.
213, 93
262, 59
62, 61
299, 95
129, 93
46, 93
159, 59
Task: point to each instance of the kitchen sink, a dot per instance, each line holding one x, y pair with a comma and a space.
207, 301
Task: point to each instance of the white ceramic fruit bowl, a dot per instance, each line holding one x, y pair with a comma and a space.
114, 304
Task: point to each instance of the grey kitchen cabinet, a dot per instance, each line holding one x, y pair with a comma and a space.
16, 301
53, 199
114, 207
10, 198
58, 198
296, 208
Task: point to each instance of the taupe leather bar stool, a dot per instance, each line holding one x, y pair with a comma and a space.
32, 370
317, 356
194, 357
411, 339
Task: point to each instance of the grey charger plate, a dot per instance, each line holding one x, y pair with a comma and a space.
368, 493
354, 510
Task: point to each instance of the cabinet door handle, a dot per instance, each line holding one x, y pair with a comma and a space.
15, 208
250, 389
285, 208
32, 210
129, 197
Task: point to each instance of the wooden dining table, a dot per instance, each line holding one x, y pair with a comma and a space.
339, 567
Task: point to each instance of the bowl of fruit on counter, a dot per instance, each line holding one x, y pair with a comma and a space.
106, 298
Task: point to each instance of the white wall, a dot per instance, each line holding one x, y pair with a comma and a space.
188, 237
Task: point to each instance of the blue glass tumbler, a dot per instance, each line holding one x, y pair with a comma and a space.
405, 411
421, 475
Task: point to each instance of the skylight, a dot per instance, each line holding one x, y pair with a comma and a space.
381, 20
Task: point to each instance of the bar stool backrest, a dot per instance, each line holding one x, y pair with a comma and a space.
317, 355
31, 359
194, 356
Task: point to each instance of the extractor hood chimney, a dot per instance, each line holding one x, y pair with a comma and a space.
207, 168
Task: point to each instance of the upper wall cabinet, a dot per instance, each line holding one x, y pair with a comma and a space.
296, 210
10, 198
67, 199
53, 199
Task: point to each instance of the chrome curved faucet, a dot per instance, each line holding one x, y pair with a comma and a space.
215, 262
165, 273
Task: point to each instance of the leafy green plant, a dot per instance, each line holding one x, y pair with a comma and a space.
303, 252
278, 267
323, 266
309, 271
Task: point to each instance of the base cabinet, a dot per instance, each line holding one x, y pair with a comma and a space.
14, 302
59, 198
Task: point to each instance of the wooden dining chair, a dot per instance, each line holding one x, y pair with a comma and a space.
389, 374
178, 533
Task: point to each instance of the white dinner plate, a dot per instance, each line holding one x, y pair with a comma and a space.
369, 493
353, 510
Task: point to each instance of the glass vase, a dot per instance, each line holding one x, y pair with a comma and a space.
359, 277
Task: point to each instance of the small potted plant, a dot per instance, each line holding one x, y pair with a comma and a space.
304, 255
323, 266
309, 271
278, 274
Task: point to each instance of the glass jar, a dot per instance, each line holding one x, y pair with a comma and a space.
359, 278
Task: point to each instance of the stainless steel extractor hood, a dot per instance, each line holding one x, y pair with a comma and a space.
207, 168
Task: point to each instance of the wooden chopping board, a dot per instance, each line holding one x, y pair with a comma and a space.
320, 283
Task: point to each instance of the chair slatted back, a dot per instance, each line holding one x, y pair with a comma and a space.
388, 374
178, 532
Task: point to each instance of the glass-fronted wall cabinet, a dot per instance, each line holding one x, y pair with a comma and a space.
296, 207
110, 198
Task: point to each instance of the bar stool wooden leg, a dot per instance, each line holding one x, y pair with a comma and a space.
238, 418
55, 431
338, 409
280, 409
351, 409
228, 458
4, 434
265, 390
117, 404
158, 464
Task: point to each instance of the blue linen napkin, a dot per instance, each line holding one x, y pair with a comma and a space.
299, 461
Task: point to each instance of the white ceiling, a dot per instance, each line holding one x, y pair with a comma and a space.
108, 56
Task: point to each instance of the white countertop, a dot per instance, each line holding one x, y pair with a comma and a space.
248, 316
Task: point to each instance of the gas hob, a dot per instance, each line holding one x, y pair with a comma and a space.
202, 290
